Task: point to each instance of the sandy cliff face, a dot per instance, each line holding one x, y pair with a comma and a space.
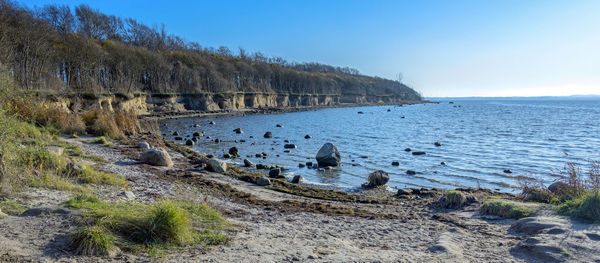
162, 103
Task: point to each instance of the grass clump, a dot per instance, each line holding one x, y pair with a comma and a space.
12, 208
586, 207
139, 227
94, 241
102, 140
88, 175
507, 208
38, 158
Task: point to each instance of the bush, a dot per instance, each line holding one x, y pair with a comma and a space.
508, 209
586, 207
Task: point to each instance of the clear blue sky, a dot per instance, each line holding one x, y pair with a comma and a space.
442, 48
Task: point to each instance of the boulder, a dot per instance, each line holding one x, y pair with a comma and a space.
248, 163
377, 178
560, 188
268, 135
328, 155
262, 181
290, 146
297, 179
157, 157
217, 166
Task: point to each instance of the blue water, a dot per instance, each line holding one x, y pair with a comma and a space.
480, 139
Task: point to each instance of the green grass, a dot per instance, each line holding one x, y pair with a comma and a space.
89, 175
151, 228
103, 140
508, 209
586, 207
12, 208
94, 241
37, 157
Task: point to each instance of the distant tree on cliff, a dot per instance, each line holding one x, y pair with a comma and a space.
88, 51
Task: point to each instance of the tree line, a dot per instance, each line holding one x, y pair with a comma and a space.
84, 50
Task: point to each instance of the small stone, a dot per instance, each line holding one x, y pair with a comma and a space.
507, 171
360, 112
234, 151
217, 166
290, 146
275, 173
301, 165
262, 181
248, 163
296, 179
403, 191
178, 138
211, 123
197, 134
238, 130
437, 144
410, 172
217, 140
226, 156
443, 163
279, 125
395, 163
176, 134
128, 194
268, 135
309, 164
418, 153
307, 136
189, 143
407, 150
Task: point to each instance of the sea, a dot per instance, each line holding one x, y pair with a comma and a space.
495, 143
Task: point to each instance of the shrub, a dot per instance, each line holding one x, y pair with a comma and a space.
38, 158
586, 207
507, 209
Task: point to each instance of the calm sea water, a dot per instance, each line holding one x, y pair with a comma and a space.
480, 139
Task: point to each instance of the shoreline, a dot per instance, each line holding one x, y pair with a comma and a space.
274, 110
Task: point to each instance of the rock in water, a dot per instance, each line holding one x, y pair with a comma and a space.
395, 163
418, 153
217, 166
410, 172
377, 178
157, 157
328, 155
234, 151
197, 134
560, 188
296, 179
279, 125
290, 146
248, 163
268, 135
238, 130
407, 150
189, 143
507, 171
263, 181
275, 173
307, 136
211, 123
437, 144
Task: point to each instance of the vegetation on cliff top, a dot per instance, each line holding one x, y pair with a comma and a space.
85, 51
